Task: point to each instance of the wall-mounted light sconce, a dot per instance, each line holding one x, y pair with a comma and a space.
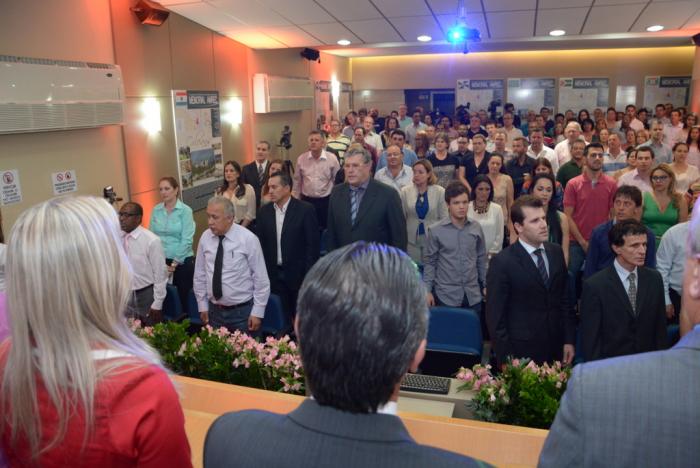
233, 111
335, 88
151, 115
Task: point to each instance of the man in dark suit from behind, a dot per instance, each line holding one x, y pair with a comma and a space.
628, 410
364, 209
527, 309
254, 172
288, 232
623, 310
355, 352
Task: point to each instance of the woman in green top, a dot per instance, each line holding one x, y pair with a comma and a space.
173, 222
663, 207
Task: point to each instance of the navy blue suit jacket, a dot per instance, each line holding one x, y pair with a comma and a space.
601, 256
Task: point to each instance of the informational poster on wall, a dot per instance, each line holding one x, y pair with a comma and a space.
663, 89
583, 93
10, 187
64, 182
531, 93
480, 94
198, 141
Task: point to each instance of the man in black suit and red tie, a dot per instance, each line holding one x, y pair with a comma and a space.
623, 310
254, 173
527, 308
288, 233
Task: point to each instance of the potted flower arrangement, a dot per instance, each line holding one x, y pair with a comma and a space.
222, 356
523, 394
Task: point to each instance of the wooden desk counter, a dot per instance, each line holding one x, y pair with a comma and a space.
498, 444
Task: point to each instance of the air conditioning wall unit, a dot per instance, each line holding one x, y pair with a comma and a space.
281, 94
38, 95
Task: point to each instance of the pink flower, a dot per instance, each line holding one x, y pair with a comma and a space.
516, 362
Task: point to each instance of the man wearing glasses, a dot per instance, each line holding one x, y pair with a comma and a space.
147, 260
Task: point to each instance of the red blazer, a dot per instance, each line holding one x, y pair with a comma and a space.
138, 422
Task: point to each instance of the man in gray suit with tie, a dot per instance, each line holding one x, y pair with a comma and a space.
362, 322
639, 410
364, 209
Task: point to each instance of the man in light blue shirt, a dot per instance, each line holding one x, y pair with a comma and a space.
663, 154
670, 262
398, 138
396, 174
415, 127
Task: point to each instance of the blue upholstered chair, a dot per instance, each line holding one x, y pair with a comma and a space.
454, 340
172, 309
275, 322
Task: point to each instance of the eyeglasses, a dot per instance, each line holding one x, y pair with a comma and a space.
123, 214
659, 178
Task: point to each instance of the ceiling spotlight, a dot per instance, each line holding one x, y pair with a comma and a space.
557, 32
424, 38
655, 28
343, 42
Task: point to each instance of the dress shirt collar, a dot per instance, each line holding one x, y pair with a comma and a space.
229, 234
283, 210
323, 155
447, 221
402, 172
528, 248
390, 407
363, 186
623, 273
133, 234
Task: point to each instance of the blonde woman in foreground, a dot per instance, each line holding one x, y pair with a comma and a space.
79, 388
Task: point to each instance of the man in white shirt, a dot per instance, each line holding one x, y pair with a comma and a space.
572, 132
640, 176
147, 259
673, 131
512, 131
288, 233
670, 262
538, 150
371, 138
615, 159
396, 174
230, 280
635, 123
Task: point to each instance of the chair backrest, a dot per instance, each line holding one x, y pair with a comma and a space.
193, 309
172, 309
274, 321
454, 330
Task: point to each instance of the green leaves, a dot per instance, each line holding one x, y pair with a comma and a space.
523, 394
222, 356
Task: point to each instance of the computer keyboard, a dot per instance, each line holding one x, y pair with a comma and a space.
425, 384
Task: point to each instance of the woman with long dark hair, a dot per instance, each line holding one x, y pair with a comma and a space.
241, 195
557, 223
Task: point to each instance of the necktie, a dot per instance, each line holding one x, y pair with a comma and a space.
632, 291
354, 202
261, 173
541, 266
216, 287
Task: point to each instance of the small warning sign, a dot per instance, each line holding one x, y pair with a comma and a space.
11, 190
64, 182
